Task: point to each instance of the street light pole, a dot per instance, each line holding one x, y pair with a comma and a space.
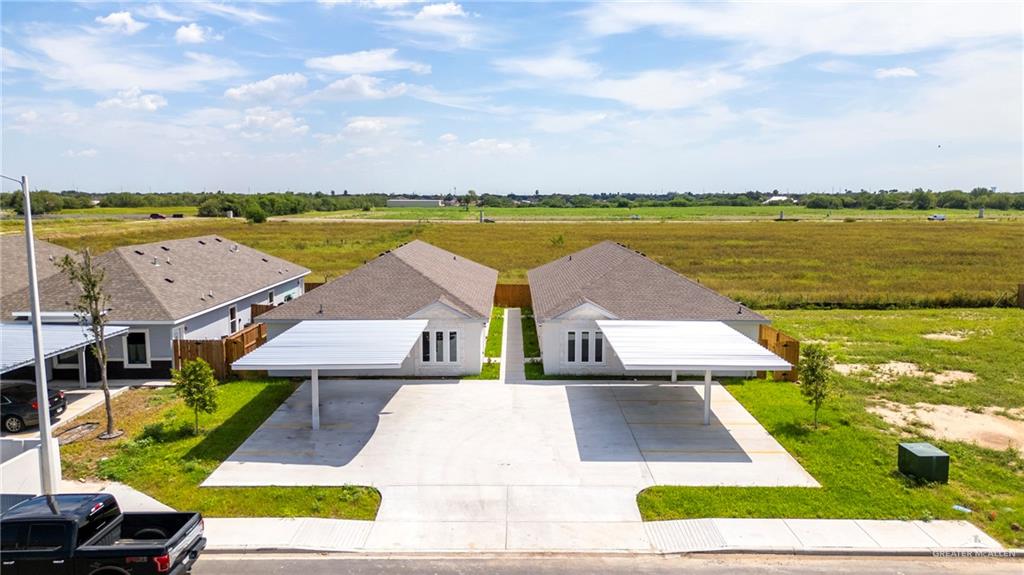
47, 469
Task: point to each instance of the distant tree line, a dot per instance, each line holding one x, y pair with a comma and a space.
258, 207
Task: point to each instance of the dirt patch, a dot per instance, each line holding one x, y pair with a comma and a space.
947, 336
954, 423
891, 371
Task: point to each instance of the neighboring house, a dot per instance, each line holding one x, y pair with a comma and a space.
194, 288
415, 203
414, 281
15, 267
611, 281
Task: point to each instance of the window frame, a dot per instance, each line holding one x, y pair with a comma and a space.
584, 347
440, 346
233, 321
59, 362
149, 355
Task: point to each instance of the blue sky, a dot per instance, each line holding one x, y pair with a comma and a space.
505, 97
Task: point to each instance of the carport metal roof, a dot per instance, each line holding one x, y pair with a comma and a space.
16, 341
687, 346
337, 345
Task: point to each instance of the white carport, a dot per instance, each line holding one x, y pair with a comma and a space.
707, 346
336, 345
16, 348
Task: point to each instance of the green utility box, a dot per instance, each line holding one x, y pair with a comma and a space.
924, 461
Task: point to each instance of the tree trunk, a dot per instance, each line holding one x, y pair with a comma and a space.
197, 422
106, 398
815, 417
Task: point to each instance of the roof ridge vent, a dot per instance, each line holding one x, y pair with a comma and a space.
169, 280
234, 248
156, 261
140, 252
218, 240
201, 242
165, 248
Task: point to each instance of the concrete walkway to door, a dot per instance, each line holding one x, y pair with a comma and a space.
512, 349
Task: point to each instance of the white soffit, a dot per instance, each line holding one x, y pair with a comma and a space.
16, 348
686, 345
337, 344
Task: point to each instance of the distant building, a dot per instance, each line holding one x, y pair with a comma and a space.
415, 203
778, 200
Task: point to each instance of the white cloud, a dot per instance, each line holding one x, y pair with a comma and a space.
93, 63
134, 99
194, 34
366, 62
498, 146
86, 153
559, 66
372, 125
359, 87
448, 22
778, 32
900, 72
276, 87
662, 89
157, 12
28, 116
448, 138
378, 4
565, 123
121, 22
234, 12
261, 122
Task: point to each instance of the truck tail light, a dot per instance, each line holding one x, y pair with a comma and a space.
35, 404
163, 563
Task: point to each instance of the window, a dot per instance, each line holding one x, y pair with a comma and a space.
136, 349
270, 297
69, 358
572, 346
598, 347
233, 318
433, 347
46, 536
12, 536
584, 346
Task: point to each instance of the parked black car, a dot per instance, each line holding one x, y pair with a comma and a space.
18, 406
86, 534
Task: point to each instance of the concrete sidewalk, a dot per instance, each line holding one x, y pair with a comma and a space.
512, 370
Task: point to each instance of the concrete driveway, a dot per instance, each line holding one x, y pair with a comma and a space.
488, 465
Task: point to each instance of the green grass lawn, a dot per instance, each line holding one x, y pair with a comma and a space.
495, 332
531, 345
161, 457
763, 264
853, 454
491, 370
854, 460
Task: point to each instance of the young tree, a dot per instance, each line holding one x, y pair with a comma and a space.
196, 386
91, 308
817, 379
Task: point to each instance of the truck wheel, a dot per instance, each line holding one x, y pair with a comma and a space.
150, 533
13, 424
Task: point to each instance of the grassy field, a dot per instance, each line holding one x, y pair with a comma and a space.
723, 213
140, 211
763, 264
159, 456
855, 448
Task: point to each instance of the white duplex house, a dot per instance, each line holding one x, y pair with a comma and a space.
193, 288
416, 281
609, 281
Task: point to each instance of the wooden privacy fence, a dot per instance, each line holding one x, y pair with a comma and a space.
309, 286
220, 353
1020, 296
258, 309
783, 346
512, 295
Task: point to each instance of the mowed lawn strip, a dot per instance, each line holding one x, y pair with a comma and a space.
531, 345
854, 460
495, 332
764, 264
159, 456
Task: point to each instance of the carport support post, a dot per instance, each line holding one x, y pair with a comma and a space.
81, 368
315, 386
674, 376
707, 397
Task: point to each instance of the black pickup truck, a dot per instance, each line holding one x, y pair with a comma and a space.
86, 534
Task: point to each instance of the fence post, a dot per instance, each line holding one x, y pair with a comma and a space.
1020, 295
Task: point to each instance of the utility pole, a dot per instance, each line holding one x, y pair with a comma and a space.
49, 466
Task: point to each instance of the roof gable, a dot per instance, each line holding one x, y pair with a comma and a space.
627, 284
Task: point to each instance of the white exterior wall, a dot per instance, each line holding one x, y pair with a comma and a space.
554, 341
470, 347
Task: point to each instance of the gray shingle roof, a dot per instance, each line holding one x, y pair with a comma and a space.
627, 284
169, 280
14, 266
396, 285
